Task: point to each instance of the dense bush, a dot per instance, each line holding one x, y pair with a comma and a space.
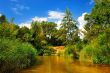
15, 55
86, 55
98, 51
69, 51
72, 51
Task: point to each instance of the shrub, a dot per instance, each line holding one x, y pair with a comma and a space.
15, 55
71, 51
86, 55
98, 51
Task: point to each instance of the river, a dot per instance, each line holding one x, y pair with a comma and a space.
55, 64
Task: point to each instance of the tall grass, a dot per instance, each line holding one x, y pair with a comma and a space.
15, 55
98, 51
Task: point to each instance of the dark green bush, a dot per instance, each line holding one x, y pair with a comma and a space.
15, 55
71, 51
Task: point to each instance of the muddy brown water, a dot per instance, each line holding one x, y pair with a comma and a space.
55, 64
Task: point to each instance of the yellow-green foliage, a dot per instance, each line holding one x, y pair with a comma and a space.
98, 51
86, 55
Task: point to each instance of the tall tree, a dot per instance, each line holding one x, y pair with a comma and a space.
49, 29
38, 39
69, 28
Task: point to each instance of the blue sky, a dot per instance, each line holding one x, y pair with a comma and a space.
25, 10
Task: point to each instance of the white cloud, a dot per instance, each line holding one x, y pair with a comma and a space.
82, 23
0, 14
58, 24
18, 8
26, 24
55, 15
39, 19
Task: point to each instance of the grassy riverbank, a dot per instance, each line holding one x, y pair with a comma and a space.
15, 55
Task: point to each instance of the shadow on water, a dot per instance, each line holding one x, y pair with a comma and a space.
55, 64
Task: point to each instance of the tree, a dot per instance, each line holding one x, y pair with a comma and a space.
24, 34
2, 19
38, 40
69, 28
8, 30
98, 20
97, 48
100, 1
49, 29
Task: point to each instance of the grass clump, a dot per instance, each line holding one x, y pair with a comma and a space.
15, 55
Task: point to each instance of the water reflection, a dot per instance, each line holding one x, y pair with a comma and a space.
54, 64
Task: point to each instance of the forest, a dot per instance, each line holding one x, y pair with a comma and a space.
20, 46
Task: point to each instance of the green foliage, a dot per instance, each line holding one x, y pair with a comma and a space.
38, 39
15, 55
50, 30
100, 1
69, 51
98, 21
2, 19
69, 28
61, 36
95, 47
47, 51
98, 51
73, 50
24, 34
86, 55
8, 30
